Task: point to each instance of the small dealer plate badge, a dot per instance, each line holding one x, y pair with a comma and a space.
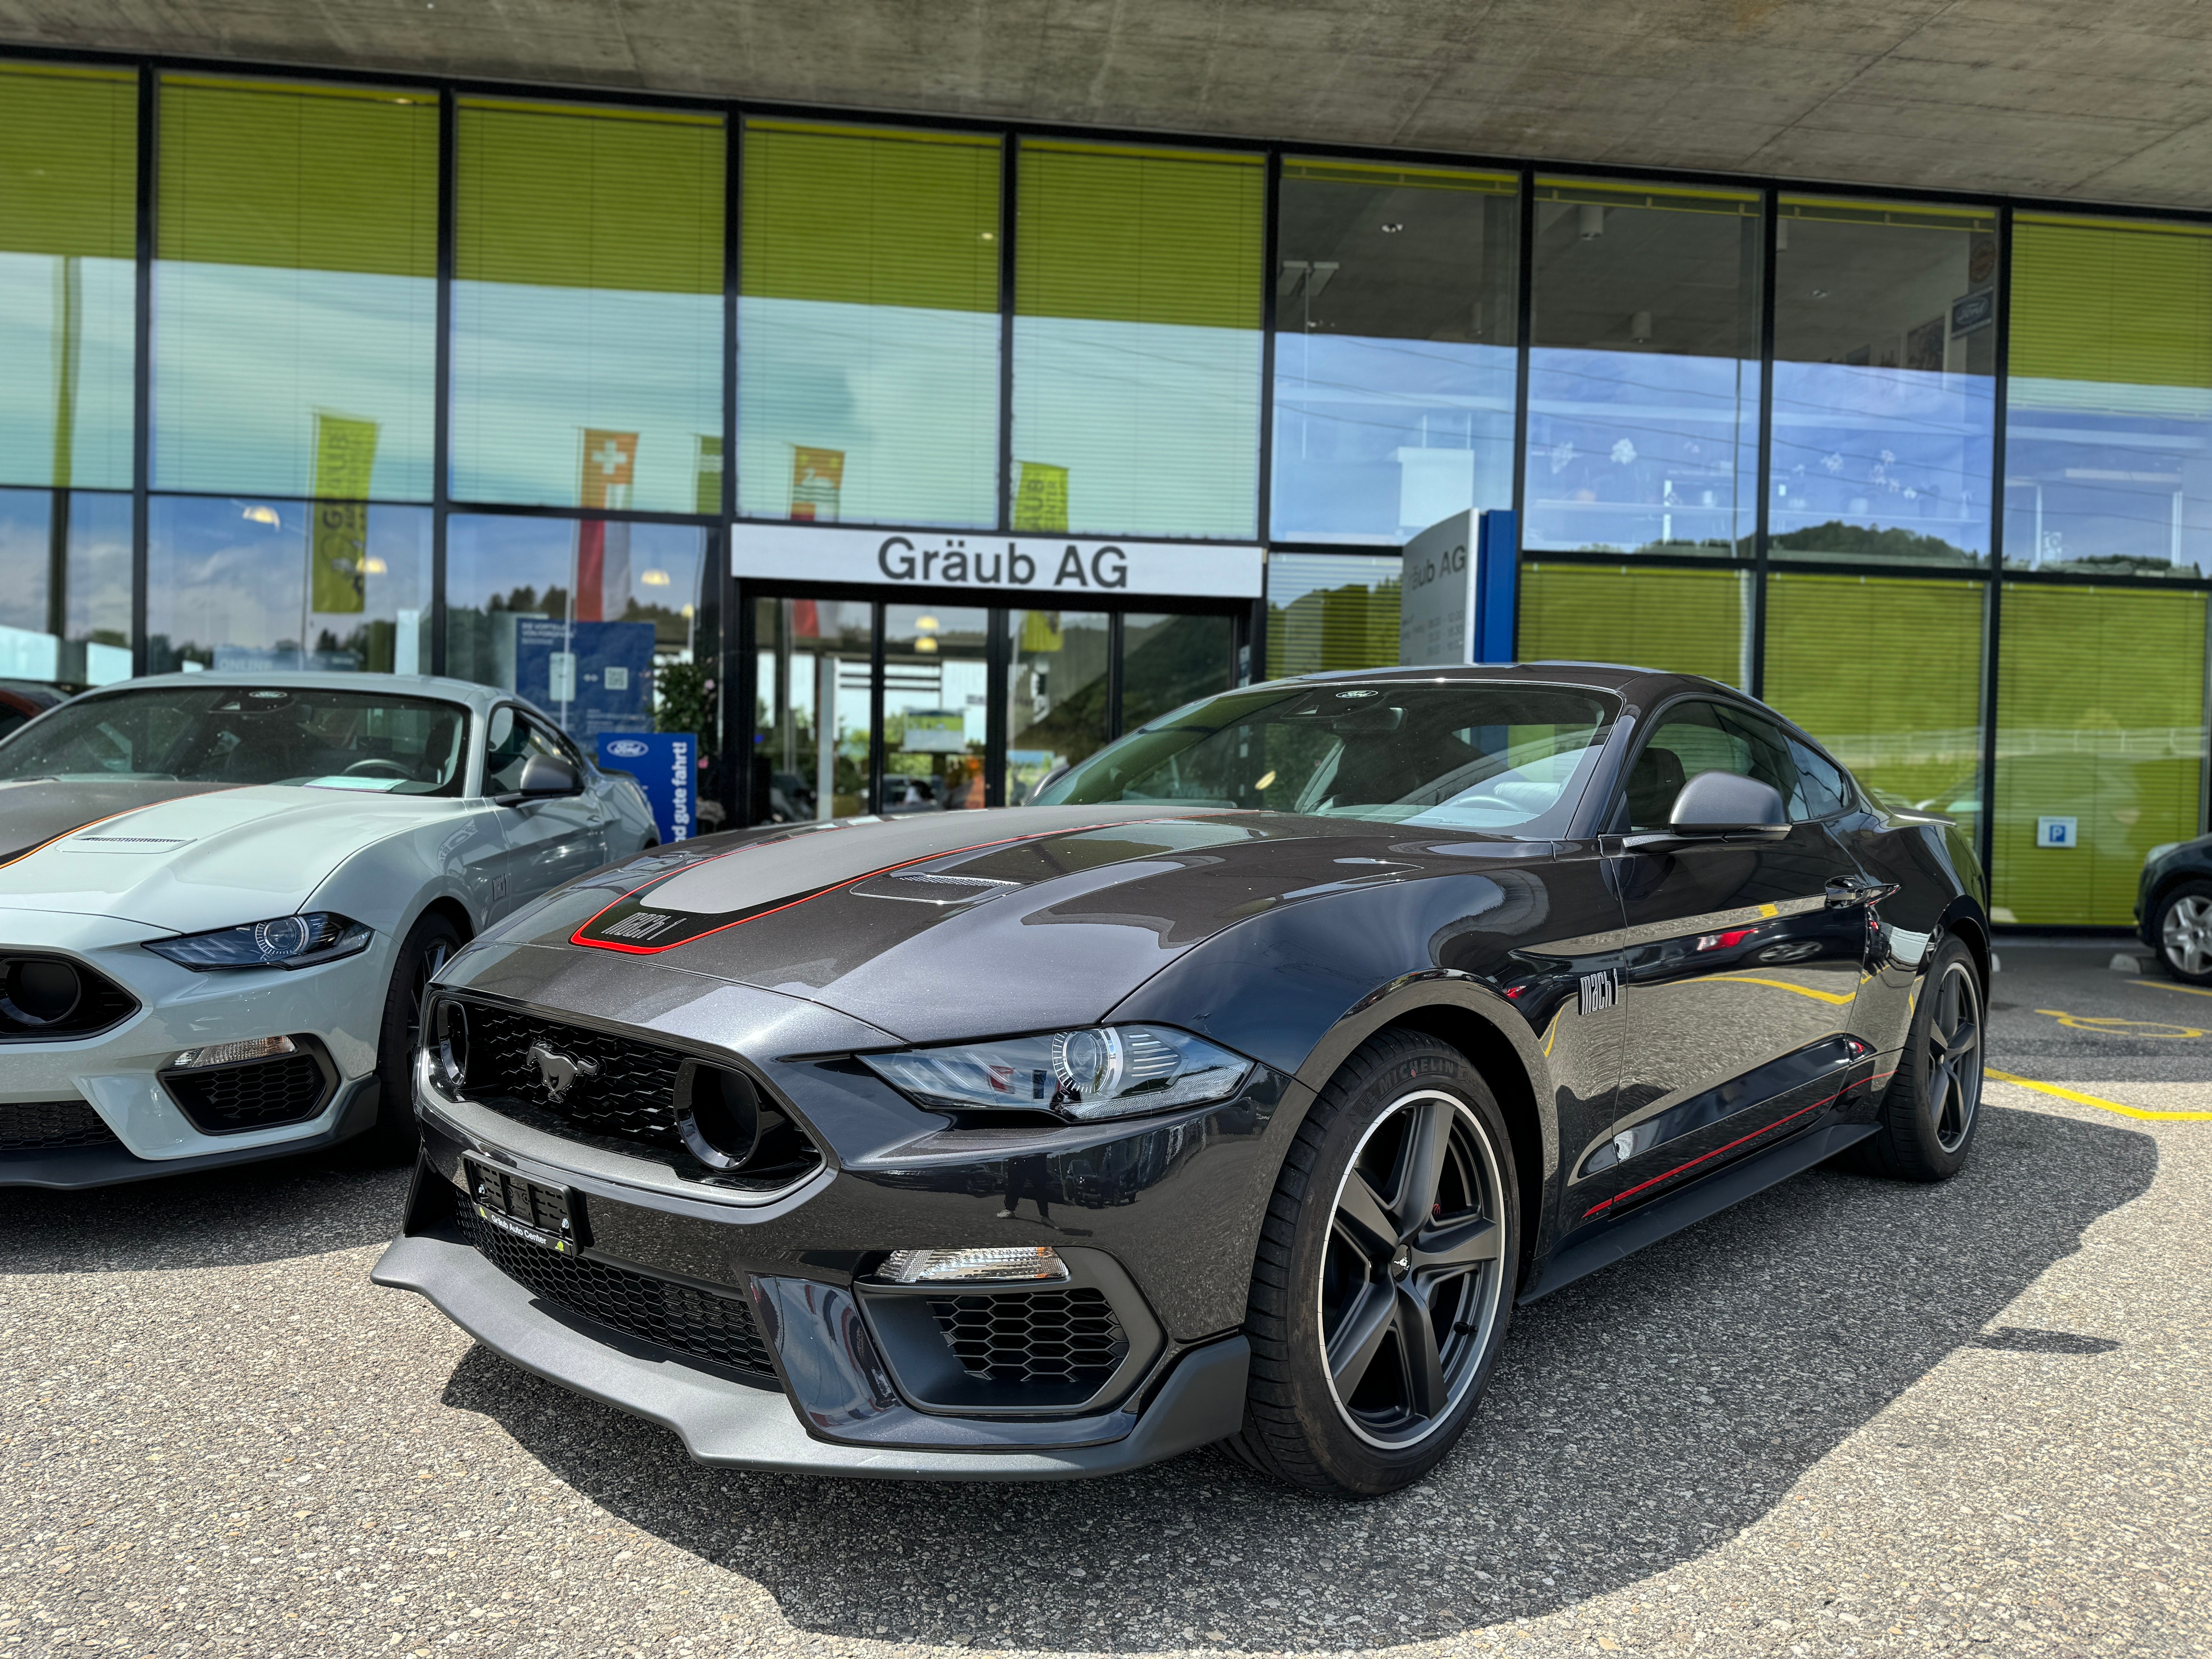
551, 1217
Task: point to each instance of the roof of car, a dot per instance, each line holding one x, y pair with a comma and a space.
478, 697
1603, 675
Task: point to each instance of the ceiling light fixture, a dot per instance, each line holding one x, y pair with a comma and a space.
654, 578
261, 516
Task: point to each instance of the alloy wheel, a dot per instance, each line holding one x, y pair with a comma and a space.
1411, 1279
2186, 935
1954, 1056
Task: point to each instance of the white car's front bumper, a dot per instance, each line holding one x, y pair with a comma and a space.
339, 1004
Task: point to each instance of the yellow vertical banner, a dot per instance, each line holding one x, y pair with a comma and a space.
337, 546
818, 480
1041, 497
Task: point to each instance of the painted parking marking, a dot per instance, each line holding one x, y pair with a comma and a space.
2166, 984
2080, 1099
2116, 1027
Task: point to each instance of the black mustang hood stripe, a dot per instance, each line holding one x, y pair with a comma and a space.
689, 903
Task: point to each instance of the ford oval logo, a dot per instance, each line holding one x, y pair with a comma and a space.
627, 748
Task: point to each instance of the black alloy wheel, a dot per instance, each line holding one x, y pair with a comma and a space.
2183, 932
429, 946
1931, 1108
1382, 1288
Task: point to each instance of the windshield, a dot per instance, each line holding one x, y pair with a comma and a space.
245, 735
1445, 756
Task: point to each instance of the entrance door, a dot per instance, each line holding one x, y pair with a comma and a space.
865, 702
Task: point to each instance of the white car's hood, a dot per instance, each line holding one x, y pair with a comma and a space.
211, 859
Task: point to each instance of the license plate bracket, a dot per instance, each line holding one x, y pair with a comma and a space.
551, 1217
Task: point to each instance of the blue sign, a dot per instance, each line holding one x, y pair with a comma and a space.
666, 767
594, 676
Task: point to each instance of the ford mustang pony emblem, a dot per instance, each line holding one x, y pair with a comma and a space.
557, 1072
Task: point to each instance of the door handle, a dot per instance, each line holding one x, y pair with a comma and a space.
1858, 889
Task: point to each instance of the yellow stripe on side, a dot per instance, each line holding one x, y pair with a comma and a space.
2080, 1099
1839, 998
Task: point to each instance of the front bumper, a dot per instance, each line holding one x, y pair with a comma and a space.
116, 1072
829, 1369
724, 1422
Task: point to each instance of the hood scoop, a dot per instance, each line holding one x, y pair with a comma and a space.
931, 887
132, 843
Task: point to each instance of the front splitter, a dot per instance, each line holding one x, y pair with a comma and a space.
730, 1424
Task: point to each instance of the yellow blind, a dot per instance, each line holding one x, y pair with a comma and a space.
1136, 235
2119, 303
568, 197
862, 216
303, 177
69, 162
1391, 175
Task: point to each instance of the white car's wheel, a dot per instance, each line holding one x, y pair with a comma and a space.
429, 946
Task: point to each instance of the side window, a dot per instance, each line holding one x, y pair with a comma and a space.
1821, 782
1703, 737
512, 739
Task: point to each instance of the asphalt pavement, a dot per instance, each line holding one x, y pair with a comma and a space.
1847, 1417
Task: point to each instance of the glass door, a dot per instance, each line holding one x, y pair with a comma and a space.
936, 704
813, 719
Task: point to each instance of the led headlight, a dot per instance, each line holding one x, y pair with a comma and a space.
288, 942
1109, 1071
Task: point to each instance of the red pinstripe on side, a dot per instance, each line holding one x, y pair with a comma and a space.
1716, 1152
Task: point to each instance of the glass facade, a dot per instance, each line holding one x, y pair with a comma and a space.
659, 316
868, 325
296, 294
587, 306
1396, 347
1885, 382
1137, 311
1643, 371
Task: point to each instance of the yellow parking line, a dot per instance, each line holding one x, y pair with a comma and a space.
2167, 984
1838, 998
2080, 1099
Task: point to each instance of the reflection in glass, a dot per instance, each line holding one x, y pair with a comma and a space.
1907, 721
1687, 622
1168, 661
241, 583
936, 708
1644, 377
587, 307
2108, 428
1885, 347
68, 280
869, 325
2100, 724
1327, 612
295, 289
1056, 687
575, 615
64, 586
814, 656
1137, 341
1394, 348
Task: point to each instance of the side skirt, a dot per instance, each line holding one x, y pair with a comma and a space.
1613, 1241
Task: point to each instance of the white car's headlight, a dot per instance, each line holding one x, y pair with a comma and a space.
298, 941
1099, 1072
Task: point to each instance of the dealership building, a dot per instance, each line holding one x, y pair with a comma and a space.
957, 387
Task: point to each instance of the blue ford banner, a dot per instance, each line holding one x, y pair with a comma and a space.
666, 767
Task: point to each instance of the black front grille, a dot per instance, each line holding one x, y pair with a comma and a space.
1034, 1336
621, 1087
47, 999
693, 1321
616, 1092
31, 1125
228, 1100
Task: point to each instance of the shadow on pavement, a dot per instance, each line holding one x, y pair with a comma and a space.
231, 1218
1637, 1419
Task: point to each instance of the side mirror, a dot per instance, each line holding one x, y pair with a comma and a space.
1723, 803
544, 776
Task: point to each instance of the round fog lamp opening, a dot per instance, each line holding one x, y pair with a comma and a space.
39, 992
718, 1114
1001, 1265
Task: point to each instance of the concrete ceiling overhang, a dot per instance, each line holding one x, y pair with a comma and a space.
2104, 100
